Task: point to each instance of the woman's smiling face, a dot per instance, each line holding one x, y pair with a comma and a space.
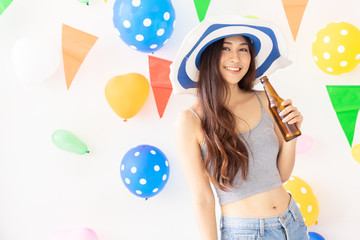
235, 59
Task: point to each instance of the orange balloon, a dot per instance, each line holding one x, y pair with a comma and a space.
127, 94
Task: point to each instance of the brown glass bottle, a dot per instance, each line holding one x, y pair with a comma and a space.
289, 131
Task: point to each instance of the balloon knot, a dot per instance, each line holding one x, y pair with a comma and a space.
146, 199
87, 151
125, 120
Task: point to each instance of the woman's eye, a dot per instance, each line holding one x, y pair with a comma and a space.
243, 50
226, 48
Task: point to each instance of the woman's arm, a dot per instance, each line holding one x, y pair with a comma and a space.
286, 157
187, 127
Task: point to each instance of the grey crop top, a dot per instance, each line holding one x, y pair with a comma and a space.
263, 174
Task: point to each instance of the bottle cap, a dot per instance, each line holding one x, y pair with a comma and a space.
264, 79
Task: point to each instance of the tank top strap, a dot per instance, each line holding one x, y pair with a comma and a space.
192, 110
262, 106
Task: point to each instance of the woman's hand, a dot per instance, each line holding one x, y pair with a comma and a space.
291, 113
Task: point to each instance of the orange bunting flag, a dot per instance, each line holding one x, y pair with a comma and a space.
160, 82
76, 45
294, 10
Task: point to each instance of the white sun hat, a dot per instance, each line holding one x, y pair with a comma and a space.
270, 48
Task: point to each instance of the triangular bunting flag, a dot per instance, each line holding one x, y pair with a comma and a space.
201, 8
162, 96
294, 10
346, 103
160, 82
75, 47
4, 4
85, 1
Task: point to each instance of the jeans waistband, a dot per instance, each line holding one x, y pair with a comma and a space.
261, 223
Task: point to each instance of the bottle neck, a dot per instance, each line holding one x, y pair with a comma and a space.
269, 90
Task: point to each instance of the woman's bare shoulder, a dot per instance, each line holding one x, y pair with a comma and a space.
263, 97
261, 94
264, 100
187, 120
189, 123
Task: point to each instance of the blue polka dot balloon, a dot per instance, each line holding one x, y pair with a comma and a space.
144, 170
315, 236
144, 25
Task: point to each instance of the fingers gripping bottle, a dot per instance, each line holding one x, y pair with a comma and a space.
289, 131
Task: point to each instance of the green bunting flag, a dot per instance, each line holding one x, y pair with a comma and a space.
4, 4
346, 103
201, 8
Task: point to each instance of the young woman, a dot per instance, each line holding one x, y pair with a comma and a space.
229, 138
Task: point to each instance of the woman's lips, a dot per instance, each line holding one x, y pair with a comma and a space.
233, 69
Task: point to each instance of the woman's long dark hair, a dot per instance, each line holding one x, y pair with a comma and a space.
227, 153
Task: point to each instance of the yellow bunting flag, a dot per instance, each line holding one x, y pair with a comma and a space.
76, 45
294, 10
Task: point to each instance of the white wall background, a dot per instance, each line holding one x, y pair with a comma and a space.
43, 189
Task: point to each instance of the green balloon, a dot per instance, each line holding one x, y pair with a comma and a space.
67, 141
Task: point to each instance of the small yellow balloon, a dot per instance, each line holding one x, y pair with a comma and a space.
127, 94
305, 199
355, 152
336, 48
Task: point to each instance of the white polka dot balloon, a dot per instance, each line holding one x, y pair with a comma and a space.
144, 170
305, 199
144, 25
336, 48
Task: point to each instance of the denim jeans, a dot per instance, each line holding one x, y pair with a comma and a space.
289, 225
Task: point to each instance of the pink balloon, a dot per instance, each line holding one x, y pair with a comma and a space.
304, 143
74, 234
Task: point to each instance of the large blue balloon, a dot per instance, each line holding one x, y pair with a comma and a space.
144, 25
144, 170
315, 236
